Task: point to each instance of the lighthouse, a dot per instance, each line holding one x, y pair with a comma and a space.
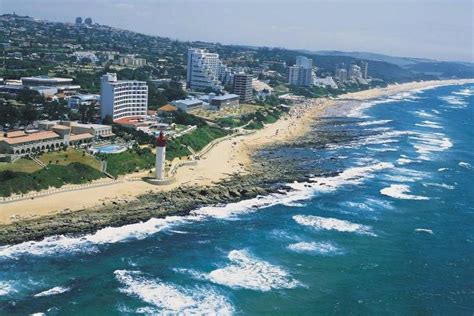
160, 157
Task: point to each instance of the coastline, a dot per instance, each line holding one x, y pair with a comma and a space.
229, 156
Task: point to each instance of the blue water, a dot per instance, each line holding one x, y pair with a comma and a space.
391, 233
109, 149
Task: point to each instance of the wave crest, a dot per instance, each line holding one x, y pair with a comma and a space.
327, 223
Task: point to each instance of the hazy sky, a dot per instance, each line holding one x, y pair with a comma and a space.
440, 29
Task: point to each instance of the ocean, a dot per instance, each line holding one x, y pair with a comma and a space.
389, 229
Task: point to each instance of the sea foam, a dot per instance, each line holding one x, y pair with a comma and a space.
426, 144
465, 165
400, 191
429, 124
248, 272
88, 243
375, 122
167, 298
54, 291
424, 230
455, 101
321, 248
6, 288
324, 223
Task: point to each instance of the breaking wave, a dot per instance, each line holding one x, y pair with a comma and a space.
6, 288
454, 100
54, 291
401, 191
167, 298
248, 272
322, 248
377, 122
427, 144
324, 223
424, 230
465, 165
429, 124
88, 243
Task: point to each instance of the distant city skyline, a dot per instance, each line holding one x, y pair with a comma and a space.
434, 29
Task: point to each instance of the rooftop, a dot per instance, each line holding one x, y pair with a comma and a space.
80, 137
47, 79
189, 101
43, 135
226, 97
167, 108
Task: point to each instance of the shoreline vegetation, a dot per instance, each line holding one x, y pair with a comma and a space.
227, 173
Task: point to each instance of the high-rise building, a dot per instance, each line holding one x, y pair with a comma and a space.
341, 74
301, 74
122, 98
364, 67
355, 72
304, 62
243, 87
203, 69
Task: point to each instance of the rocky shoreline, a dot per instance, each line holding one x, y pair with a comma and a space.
264, 178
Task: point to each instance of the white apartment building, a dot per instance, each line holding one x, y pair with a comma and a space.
301, 74
132, 61
341, 74
355, 72
122, 98
203, 69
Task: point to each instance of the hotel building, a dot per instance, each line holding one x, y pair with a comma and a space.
122, 98
50, 136
203, 70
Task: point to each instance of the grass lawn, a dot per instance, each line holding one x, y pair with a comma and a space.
242, 109
21, 165
130, 161
69, 156
54, 176
281, 89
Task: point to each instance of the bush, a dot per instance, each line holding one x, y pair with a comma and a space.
201, 137
54, 176
129, 161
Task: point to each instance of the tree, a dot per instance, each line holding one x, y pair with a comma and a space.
87, 112
29, 96
28, 114
107, 120
55, 110
9, 115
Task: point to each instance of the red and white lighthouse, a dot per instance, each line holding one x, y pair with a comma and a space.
160, 157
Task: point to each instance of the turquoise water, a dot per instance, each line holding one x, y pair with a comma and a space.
388, 231
109, 149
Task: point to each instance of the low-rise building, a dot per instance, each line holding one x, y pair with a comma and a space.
166, 109
17, 144
79, 99
85, 55
325, 82
63, 85
187, 104
223, 101
132, 61
50, 136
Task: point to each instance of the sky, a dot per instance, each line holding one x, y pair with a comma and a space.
438, 29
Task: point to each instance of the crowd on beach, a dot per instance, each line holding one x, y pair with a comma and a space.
299, 110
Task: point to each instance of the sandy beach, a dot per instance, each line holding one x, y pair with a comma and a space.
229, 156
